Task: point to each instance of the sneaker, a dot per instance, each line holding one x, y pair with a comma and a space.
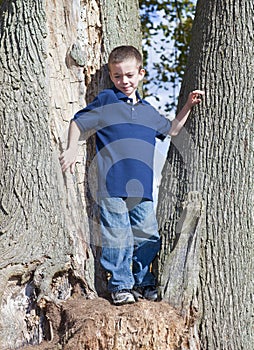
122, 297
147, 292
150, 293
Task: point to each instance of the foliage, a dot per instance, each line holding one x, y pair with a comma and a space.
166, 27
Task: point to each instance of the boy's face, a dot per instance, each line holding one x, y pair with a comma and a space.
126, 76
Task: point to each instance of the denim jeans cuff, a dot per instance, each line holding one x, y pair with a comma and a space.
145, 285
116, 289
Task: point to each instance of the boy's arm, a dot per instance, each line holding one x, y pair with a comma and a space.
194, 98
69, 156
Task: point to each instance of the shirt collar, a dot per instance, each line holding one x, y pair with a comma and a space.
121, 96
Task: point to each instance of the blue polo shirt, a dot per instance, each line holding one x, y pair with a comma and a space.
125, 141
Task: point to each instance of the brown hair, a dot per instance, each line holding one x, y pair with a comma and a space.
125, 52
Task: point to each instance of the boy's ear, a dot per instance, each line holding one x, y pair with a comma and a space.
142, 72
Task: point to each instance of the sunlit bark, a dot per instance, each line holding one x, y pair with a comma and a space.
213, 158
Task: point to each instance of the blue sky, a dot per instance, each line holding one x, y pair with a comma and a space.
161, 148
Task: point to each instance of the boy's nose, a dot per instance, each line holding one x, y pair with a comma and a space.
125, 79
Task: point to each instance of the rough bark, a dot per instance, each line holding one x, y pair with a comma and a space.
82, 324
42, 257
213, 156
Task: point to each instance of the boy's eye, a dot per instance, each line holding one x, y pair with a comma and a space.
116, 76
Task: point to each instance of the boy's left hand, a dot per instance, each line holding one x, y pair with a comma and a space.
195, 97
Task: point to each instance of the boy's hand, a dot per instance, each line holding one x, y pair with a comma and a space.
68, 159
194, 98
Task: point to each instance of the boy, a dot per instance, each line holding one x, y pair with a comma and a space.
126, 127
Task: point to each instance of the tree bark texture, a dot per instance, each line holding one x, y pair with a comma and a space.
40, 253
213, 158
51, 62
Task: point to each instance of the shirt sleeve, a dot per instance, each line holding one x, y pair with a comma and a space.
163, 126
88, 117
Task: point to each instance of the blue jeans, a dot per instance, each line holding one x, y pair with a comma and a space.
130, 241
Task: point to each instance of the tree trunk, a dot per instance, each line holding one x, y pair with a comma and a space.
52, 56
206, 216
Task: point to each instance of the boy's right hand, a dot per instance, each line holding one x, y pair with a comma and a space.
68, 159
